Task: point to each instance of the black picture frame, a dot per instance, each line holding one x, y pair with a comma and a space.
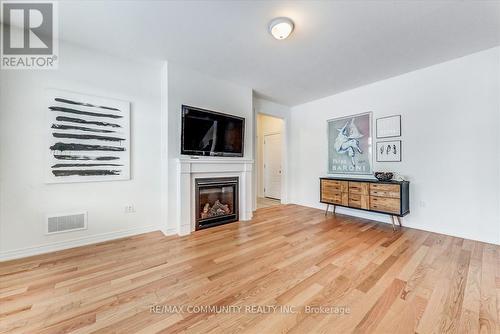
377, 150
377, 127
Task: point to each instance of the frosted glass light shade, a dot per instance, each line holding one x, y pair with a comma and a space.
281, 27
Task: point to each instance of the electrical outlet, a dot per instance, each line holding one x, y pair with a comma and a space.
129, 209
422, 204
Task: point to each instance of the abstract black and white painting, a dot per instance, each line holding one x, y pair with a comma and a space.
89, 138
389, 151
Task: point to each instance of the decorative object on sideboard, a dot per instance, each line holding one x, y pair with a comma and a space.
388, 127
384, 176
389, 151
89, 138
349, 144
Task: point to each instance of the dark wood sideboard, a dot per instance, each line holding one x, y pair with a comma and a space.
390, 197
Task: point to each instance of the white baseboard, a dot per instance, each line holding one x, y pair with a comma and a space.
184, 230
384, 218
61, 245
169, 231
246, 216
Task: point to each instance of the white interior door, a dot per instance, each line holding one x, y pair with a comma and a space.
272, 166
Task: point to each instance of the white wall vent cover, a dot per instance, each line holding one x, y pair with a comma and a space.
66, 222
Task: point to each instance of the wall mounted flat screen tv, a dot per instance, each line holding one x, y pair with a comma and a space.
211, 133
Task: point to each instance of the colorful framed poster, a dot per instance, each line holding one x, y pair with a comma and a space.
350, 144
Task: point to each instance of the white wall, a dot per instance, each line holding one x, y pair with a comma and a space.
266, 125
266, 107
451, 144
189, 87
273, 109
26, 199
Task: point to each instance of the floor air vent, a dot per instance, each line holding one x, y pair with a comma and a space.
67, 222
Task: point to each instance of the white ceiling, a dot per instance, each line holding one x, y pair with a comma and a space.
336, 46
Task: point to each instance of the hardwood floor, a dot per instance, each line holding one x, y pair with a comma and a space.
265, 202
367, 278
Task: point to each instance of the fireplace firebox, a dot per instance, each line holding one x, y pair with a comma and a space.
216, 201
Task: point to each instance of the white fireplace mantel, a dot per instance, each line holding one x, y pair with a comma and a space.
189, 169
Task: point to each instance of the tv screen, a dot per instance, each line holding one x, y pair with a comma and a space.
211, 133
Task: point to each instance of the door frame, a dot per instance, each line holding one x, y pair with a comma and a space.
285, 183
264, 163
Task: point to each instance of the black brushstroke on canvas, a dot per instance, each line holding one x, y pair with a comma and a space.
58, 99
84, 172
83, 157
82, 121
83, 147
86, 113
83, 165
85, 137
81, 128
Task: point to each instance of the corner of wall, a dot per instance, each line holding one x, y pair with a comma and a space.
163, 224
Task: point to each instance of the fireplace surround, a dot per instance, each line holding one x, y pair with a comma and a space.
183, 205
216, 201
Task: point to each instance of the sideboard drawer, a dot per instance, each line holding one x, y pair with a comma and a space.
359, 201
333, 197
361, 188
334, 192
334, 185
385, 190
384, 204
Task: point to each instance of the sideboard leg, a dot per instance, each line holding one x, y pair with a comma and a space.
399, 221
334, 209
326, 211
393, 224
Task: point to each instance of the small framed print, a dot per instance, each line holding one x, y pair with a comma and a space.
389, 151
389, 126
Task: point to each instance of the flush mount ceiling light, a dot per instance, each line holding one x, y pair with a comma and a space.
281, 27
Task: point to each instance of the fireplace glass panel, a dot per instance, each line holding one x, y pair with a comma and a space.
216, 201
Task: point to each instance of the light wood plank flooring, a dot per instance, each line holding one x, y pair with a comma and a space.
366, 278
265, 202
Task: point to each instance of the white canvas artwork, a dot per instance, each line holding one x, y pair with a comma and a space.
389, 126
88, 138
